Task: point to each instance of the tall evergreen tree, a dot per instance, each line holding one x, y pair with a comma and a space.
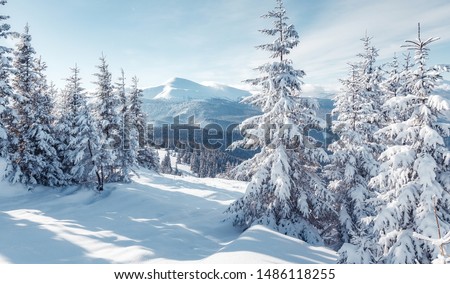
31, 155
166, 164
146, 157
7, 115
195, 161
137, 114
108, 116
285, 191
77, 134
370, 76
127, 151
204, 165
354, 159
352, 165
414, 176
42, 131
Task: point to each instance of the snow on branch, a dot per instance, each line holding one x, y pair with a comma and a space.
437, 242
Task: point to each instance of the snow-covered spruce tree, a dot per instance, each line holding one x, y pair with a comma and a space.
31, 158
371, 78
204, 163
195, 161
203, 167
354, 159
107, 112
185, 156
166, 164
285, 191
352, 165
78, 141
42, 131
146, 156
7, 115
415, 169
127, 151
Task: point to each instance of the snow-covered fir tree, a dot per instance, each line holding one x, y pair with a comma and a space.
354, 158
185, 156
78, 140
135, 104
285, 192
31, 153
43, 132
228, 168
166, 164
146, 156
371, 78
195, 161
7, 115
107, 113
203, 168
127, 150
414, 175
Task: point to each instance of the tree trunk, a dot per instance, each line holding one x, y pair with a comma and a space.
99, 178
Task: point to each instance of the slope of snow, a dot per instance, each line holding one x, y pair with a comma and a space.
179, 89
261, 245
156, 218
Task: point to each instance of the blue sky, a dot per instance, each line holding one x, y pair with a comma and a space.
213, 40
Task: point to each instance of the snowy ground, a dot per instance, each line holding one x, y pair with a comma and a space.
156, 218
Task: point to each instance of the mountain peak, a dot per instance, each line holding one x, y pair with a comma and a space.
180, 89
180, 82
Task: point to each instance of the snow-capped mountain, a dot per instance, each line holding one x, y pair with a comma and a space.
212, 103
178, 89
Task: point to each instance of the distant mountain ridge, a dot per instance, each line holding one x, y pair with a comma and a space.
208, 103
220, 103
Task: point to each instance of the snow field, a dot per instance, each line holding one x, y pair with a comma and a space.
156, 218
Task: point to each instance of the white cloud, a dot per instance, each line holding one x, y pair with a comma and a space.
332, 40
